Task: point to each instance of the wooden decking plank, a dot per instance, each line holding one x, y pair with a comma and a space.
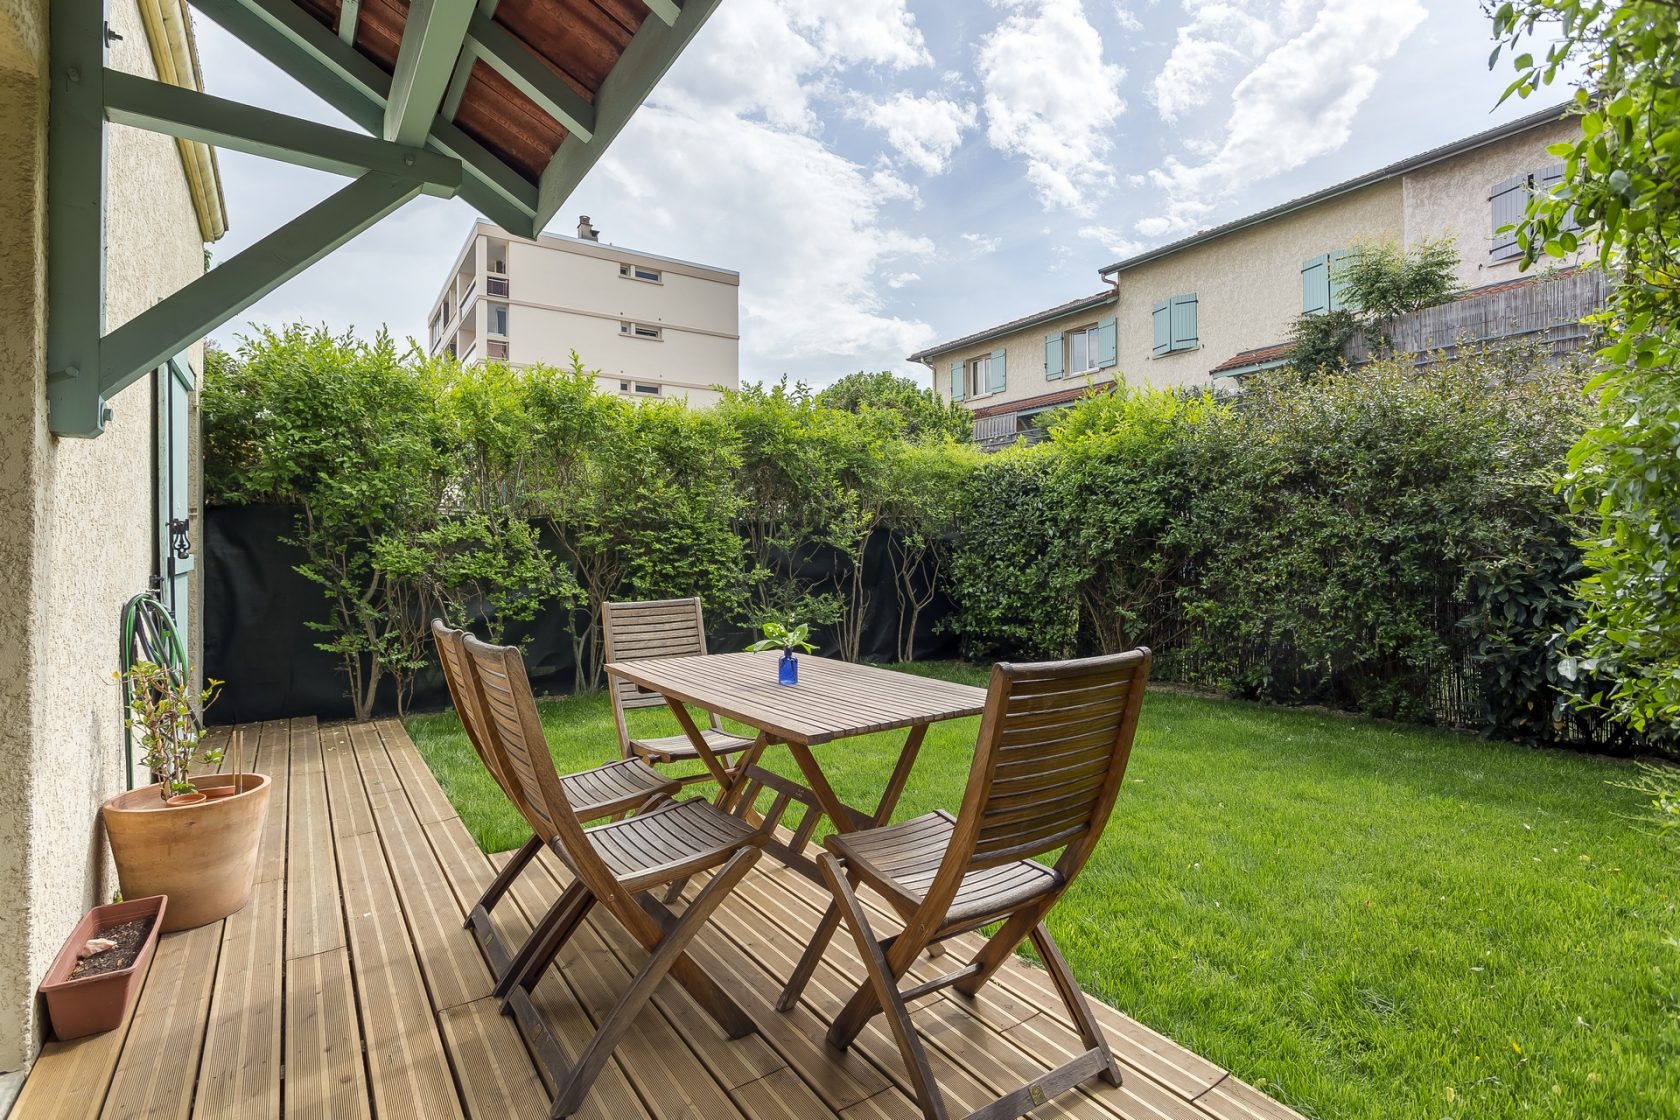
780, 1095
324, 1075
1235, 1099
1047, 1041
274, 757
69, 1080
314, 915
155, 1075
455, 971
407, 1070
240, 1073
351, 814
732, 1062
561, 998
497, 1076
424, 792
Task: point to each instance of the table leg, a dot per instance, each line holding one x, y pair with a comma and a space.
900, 774
692, 730
729, 798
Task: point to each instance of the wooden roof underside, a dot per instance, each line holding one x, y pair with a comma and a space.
578, 40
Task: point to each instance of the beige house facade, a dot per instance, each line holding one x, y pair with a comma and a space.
1220, 303
83, 517
653, 327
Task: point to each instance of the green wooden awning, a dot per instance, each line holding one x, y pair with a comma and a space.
507, 105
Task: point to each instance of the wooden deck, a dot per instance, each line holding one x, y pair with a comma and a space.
348, 988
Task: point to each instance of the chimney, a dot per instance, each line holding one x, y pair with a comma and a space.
586, 231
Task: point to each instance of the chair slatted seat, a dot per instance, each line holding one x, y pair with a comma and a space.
1052, 750
612, 865
661, 628
619, 787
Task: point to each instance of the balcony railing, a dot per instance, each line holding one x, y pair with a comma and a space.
466, 296
494, 348
495, 285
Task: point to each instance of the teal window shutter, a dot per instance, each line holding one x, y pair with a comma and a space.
956, 381
996, 379
1338, 281
1108, 343
1163, 327
1184, 322
1053, 356
1509, 201
1315, 285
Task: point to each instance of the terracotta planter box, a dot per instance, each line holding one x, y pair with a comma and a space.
98, 1003
203, 856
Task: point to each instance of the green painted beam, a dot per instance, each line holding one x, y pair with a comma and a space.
651, 51
431, 44
75, 217
166, 328
348, 11
513, 60
174, 111
458, 82
668, 10
345, 79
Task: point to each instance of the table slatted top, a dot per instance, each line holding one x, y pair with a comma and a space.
833, 699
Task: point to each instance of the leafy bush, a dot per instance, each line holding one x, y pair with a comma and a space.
1338, 523
1379, 282
1619, 195
919, 411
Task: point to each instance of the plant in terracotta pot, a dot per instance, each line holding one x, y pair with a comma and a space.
193, 839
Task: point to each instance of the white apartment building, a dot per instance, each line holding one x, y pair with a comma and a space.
652, 326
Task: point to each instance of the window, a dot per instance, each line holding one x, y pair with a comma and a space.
979, 376
1082, 350
641, 330
1509, 202
637, 272
437, 326
1323, 282
498, 318
646, 389
1174, 323
495, 348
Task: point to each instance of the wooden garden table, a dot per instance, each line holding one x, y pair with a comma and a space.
833, 700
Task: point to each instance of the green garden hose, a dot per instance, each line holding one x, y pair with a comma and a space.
148, 634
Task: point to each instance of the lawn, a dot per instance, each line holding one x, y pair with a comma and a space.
1364, 919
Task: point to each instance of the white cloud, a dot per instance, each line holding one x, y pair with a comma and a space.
812, 254
1113, 241
1219, 38
1297, 104
1127, 18
1050, 99
902, 279
981, 244
882, 32
926, 131
771, 57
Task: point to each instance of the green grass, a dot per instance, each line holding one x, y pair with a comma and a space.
1367, 920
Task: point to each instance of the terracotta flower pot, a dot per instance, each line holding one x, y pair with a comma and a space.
91, 1004
203, 856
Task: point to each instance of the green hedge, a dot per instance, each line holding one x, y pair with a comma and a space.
1387, 540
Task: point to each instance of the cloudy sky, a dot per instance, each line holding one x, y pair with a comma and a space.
888, 173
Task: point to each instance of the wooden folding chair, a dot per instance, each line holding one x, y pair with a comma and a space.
663, 628
612, 864
1053, 746
606, 791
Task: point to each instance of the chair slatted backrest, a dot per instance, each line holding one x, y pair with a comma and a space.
516, 737
1053, 747
662, 628
452, 655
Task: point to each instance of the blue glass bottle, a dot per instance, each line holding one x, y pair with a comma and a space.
787, 669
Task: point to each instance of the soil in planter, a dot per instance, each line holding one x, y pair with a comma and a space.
130, 937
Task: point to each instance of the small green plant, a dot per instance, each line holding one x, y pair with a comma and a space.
161, 713
784, 637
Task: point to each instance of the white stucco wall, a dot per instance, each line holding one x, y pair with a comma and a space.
77, 520
1023, 361
1450, 199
